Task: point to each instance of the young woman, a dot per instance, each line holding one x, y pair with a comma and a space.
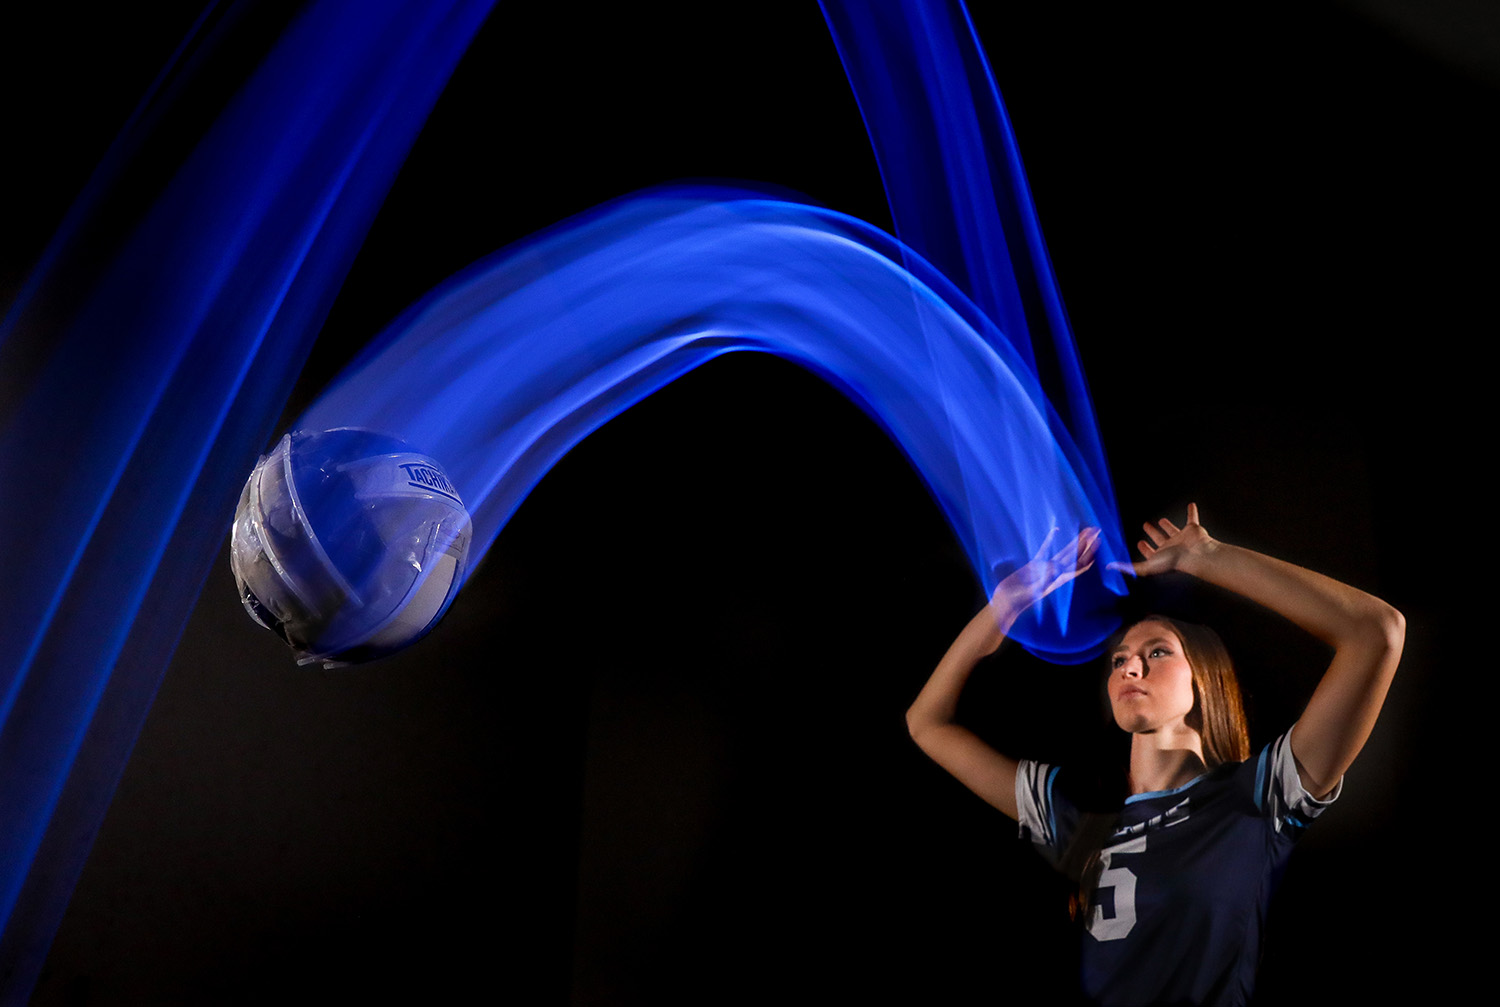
1174, 884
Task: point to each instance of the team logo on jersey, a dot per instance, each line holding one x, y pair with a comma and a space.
1175, 815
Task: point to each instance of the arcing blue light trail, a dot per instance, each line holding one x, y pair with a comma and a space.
141, 391
957, 191
502, 370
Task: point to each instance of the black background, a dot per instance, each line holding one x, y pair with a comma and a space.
655, 752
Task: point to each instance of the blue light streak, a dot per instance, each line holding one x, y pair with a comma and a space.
506, 367
138, 396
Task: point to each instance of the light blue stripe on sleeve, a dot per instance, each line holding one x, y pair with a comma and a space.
1260, 779
1051, 808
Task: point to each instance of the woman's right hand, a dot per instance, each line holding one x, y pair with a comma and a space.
930, 720
1046, 572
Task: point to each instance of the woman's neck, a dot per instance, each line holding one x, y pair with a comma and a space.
1165, 759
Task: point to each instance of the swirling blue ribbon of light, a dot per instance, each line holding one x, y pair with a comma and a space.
506, 367
144, 368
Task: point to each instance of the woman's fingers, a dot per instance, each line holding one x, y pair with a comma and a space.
1075, 558
1164, 534
1088, 544
1095, 538
1141, 569
1079, 556
1042, 552
1084, 561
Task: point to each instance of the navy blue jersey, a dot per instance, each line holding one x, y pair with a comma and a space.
1187, 876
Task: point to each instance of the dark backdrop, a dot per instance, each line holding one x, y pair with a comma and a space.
655, 753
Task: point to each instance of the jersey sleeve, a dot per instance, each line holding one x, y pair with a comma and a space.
1279, 792
1036, 803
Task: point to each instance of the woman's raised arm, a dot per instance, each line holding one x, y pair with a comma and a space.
930, 720
1365, 633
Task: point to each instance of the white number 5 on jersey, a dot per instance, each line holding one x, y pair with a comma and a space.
1122, 880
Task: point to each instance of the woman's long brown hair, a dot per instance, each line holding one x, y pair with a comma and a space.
1218, 712
1218, 715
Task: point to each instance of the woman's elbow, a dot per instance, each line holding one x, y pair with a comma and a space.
1390, 626
922, 726
1381, 634
915, 725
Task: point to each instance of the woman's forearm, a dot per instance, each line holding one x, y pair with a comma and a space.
1366, 634
937, 704
931, 720
1330, 610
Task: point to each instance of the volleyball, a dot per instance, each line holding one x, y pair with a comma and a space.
348, 544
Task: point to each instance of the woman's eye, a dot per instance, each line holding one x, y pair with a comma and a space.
1116, 661
1160, 652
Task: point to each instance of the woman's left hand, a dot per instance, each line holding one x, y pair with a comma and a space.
1171, 547
1366, 635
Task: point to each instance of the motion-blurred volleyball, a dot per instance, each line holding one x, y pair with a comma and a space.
348, 544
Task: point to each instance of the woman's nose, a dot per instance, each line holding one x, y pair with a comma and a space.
1133, 667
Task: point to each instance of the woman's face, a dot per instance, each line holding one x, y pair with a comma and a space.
1150, 680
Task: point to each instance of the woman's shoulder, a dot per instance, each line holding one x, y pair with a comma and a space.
1052, 799
1266, 786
